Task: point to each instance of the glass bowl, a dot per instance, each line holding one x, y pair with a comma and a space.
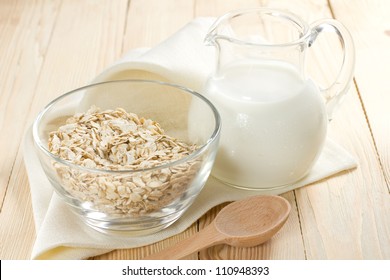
150, 195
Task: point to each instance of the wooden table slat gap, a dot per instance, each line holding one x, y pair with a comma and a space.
300, 225
380, 160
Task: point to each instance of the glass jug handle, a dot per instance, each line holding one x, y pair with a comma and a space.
336, 91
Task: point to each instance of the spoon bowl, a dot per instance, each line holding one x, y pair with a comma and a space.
252, 221
244, 223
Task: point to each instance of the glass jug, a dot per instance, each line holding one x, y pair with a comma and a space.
274, 117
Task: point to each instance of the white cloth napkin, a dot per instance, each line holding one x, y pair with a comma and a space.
181, 59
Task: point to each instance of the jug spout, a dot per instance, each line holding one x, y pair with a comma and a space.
220, 29
211, 37
209, 40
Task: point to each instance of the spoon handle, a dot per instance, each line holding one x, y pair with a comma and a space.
205, 238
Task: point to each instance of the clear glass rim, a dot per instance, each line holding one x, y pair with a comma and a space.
196, 153
267, 11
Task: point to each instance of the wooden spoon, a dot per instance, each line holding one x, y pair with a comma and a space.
244, 223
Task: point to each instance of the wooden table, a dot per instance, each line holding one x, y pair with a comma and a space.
50, 47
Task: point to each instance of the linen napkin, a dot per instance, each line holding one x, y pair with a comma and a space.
181, 59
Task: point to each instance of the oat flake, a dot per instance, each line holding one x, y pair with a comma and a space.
118, 140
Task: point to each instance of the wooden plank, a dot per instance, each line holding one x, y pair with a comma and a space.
151, 21
23, 46
17, 231
369, 22
356, 225
141, 252
204, 8
83, 40
372, 208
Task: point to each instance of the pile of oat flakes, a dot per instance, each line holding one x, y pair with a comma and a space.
115, 140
